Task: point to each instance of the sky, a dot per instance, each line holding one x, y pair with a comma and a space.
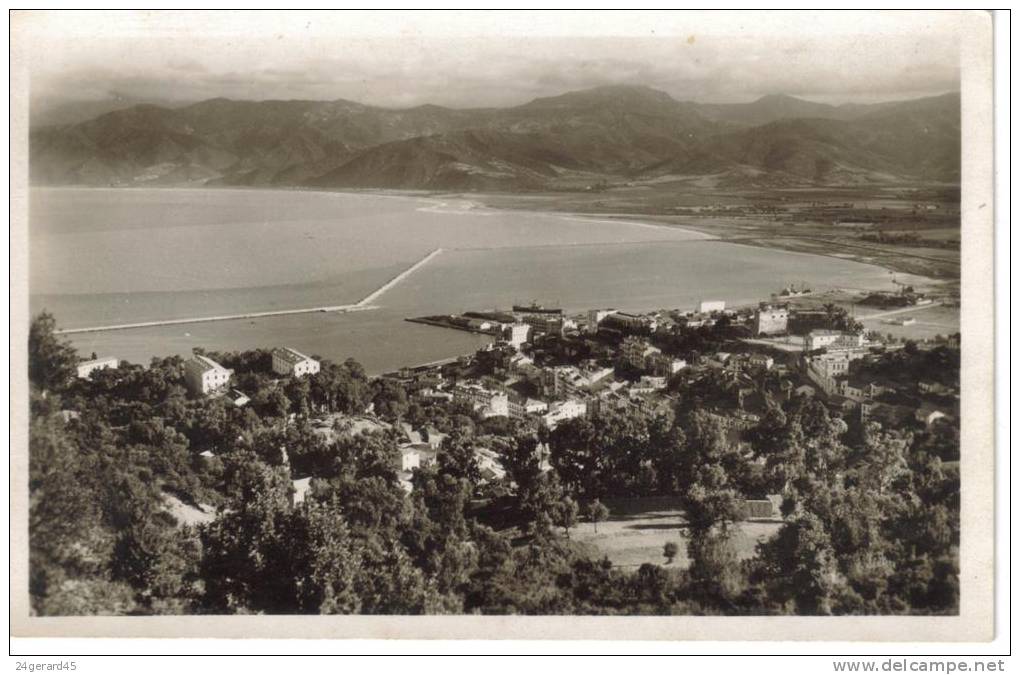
481, 59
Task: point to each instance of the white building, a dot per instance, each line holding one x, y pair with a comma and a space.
570, 381
709, 306
648, 384
760, 361
239, 398
86, 368
287, 361
818, 339
595, 317
771, 320
416, 455
664, 365
520, 406
203, 375
517, 334
827, 370
564, 410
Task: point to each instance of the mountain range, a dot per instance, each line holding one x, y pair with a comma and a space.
577, 139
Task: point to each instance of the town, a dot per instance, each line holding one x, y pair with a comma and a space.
684, 438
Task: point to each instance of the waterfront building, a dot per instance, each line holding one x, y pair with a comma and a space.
625, 322
709, 306
203, 375
86, 368
595, 317
287, 361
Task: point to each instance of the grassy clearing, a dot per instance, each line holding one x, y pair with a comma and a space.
638, 529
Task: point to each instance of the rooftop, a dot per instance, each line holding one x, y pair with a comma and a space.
92, 362
291, 356
206, 363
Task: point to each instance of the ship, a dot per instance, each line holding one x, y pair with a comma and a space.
535, 308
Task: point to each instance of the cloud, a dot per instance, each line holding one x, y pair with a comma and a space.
466, 71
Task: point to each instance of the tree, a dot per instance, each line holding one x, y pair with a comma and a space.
798, 566
66, 541
278, 405
564, 514
596, 511
51, 360
715, 575
457, 458
669, 551
246, 563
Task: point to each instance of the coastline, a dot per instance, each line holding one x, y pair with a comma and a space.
810, 243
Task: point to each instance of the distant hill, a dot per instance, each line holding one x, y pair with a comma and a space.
571, 140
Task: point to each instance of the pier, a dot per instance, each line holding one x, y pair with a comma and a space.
362, 305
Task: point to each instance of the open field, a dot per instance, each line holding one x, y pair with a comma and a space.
637, 530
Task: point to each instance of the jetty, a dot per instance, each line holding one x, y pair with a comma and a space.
366, 303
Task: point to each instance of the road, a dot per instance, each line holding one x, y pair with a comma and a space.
891, 312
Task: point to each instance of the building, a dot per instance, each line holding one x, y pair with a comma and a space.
517, 334
239, 398
664, 365
416, 455
569, 381
760, 361
302, 486
635, 351
709, 306
595, 317
826, 370
544, 324
771, 320
203, 375
520, 406
834, 339
625, 322
287, 361
546, 320
648, 384
86, 368
564, 410
820, 338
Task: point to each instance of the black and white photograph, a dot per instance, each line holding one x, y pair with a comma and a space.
366, 314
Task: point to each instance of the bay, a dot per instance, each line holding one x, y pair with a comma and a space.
102, 256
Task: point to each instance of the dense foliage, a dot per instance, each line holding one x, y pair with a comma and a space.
871, 515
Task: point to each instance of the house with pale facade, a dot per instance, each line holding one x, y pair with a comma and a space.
287, 361
204, 376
